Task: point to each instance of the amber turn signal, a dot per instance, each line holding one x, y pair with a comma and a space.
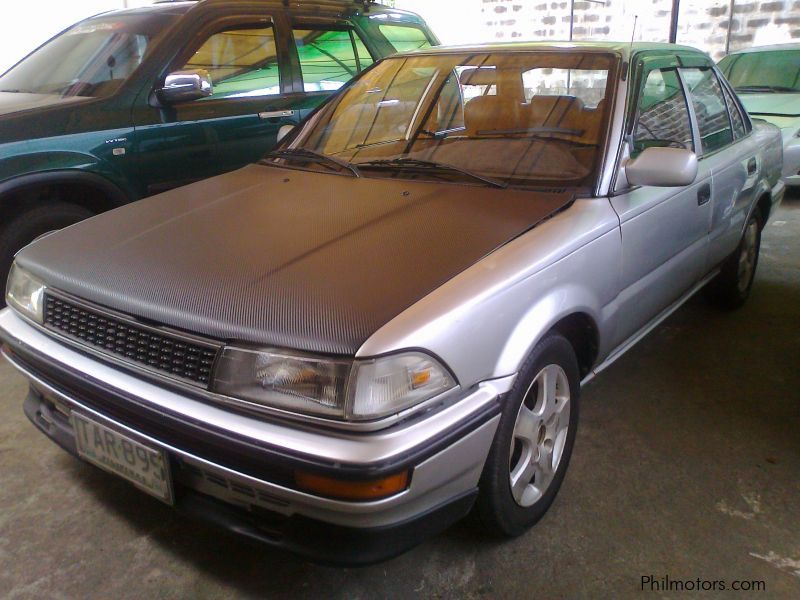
342, 489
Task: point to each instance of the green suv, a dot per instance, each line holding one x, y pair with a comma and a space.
134, 102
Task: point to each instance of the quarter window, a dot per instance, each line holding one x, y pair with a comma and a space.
710, 109
242, 62
329, 58
663, 113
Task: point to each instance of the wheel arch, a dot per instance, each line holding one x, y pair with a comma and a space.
578, 322
89, 190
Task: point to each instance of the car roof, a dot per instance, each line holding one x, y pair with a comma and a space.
625, 49
770, 48
337, 7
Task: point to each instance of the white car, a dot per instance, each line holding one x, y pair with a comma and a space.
767, 80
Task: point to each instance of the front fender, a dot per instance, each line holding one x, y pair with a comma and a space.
18, 172
484, 322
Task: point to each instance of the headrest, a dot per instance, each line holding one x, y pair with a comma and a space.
479, 76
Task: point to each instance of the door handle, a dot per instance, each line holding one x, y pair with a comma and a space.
276, 114
752, 166
703, 194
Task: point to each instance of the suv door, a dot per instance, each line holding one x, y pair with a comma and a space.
664, 230
246, 57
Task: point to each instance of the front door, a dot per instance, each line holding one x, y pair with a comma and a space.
664, 230
237, 124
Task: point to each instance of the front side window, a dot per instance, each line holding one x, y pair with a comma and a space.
242, 62
93, 58
766, 71
663, 115
405, 38
710, 109
465, 111
329, 58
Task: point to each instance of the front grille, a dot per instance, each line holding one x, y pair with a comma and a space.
168, 354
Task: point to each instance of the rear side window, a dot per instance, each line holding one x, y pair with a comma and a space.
663, 113
710, 108
405, 38
584, 84
242, 62
329, 58
739, 126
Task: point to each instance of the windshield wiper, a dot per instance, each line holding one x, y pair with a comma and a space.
16, 91
765, 88
312, 156
421, 164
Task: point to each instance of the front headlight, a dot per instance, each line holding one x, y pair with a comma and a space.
343, 389
25, 293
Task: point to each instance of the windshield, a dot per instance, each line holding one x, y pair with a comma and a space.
767, 71
93, 58
522, 118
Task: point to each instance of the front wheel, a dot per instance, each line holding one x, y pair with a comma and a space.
531, 450
731, 288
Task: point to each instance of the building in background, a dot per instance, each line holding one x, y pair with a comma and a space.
713, 25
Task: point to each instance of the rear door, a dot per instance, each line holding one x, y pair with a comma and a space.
729, 153
664, 230
247, 59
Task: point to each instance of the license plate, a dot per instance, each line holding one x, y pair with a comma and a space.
145, 467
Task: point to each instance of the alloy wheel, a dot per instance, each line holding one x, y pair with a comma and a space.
540, 433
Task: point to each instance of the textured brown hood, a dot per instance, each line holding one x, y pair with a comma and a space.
280, 257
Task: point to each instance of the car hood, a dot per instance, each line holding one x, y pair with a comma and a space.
779, 109
14, 102
283, 257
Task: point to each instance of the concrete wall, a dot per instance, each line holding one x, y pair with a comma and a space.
703, 23
25, 24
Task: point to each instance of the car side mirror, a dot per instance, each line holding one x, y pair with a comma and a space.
184, 86
662, 167
284, 131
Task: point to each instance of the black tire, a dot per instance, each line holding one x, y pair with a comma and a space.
496, 508
26, 226
730, 289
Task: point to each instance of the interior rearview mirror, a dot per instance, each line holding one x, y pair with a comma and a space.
184, 86
662, 167
284, 131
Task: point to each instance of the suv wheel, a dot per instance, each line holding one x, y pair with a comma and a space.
731, 288
534, 440
25, 227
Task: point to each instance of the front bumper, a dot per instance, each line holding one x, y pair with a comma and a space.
235, 470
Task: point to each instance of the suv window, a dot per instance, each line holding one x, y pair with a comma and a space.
329, 57
405, 38
663, 113
93, 58
242, 61
710, 109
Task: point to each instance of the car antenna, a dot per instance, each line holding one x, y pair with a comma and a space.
630, 50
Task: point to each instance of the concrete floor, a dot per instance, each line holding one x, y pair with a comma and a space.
687, 465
